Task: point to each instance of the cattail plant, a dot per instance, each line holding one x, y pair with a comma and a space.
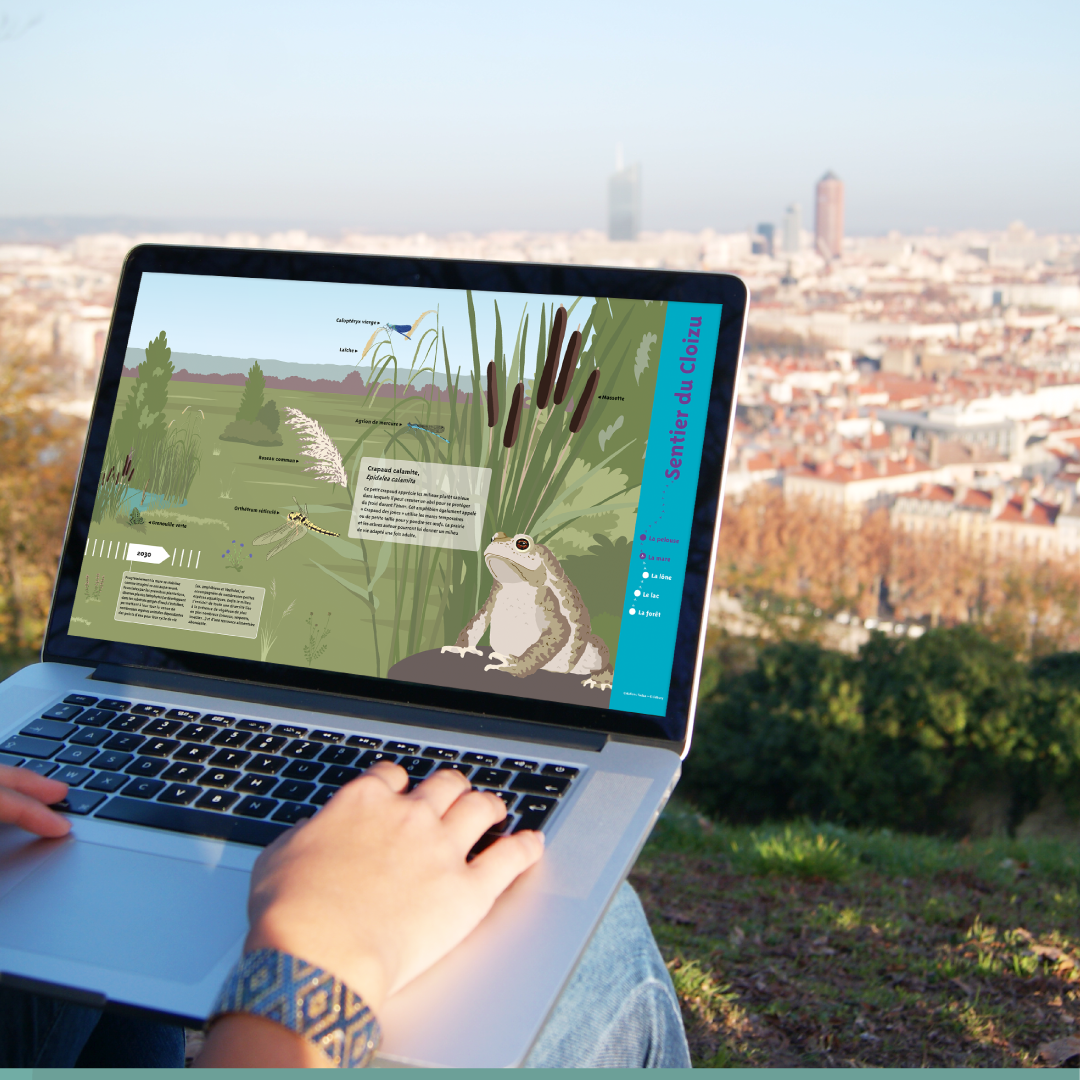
566, 373
492, 395
547, 378
581, 413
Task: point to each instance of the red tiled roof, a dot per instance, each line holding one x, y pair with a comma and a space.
1041, 513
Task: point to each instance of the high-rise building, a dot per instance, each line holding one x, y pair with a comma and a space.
767, 231
829, 216
624, 201
792, 228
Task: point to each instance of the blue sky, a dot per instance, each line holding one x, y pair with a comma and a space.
478, 116
296, 321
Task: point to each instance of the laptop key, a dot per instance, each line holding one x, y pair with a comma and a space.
372, 756
219, 778
127, 722
185, 715
519, 764
27, 746
303, 748
79, 802
480, 759
162, 728
326, 736
218, 719
180, 794
292, 812
106, 781
231, 738
265, 763
440, 753
456, 766
255, 806
507, 797
416, 766
294, 790
96, 717
182, 773
324, 795
290, 730
490, 777
148, 710
339, 755
42, 768
80, 699
159, 747
90, 736
72, 775
532, 784
62, 712
193, 752
146, 766
362, 742
113, 704
402, 748
76, 755
252, 725
143, 789
11, 760
533, 811
337, 775
302, 770
254, 784
197, 733
49, 729
217, 800
112, 760
267, 744
188, 819
560, 770
230, 759
125, 741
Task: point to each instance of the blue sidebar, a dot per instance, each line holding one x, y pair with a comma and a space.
650, 615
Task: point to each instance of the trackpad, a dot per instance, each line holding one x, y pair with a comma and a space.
127, 911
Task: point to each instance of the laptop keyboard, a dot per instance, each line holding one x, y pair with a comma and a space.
241, 779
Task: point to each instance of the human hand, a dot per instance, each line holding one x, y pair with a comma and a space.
25, 798
375, 888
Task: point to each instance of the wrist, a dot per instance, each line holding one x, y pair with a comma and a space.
364, 973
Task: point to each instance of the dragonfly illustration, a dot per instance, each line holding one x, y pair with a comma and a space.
296, 524
404, 329
431, 431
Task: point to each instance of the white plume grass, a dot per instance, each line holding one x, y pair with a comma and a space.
315, 443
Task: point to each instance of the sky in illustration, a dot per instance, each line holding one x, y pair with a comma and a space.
296, 321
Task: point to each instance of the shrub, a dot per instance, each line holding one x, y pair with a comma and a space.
250, 431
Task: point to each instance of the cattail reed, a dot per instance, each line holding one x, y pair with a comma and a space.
513, 417
492, 396
582, 411
573, 348
558, 329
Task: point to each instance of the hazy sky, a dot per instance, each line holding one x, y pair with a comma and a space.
397, 116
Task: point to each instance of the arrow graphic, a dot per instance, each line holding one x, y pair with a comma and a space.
146, 553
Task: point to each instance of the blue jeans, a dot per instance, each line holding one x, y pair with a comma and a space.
619, 1010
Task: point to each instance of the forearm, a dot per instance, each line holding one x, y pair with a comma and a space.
252, 1042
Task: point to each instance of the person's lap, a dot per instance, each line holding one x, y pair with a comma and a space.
618, 1010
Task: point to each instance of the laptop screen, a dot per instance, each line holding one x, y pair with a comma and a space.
483, 491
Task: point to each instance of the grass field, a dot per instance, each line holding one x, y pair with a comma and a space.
805, 946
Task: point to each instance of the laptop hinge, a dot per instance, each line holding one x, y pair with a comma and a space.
309, 701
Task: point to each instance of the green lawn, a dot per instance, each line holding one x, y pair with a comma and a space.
799, 945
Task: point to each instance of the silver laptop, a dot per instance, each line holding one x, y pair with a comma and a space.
340, 509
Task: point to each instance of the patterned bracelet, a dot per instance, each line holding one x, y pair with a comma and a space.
303, 998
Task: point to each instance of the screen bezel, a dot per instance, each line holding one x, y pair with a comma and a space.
536, 278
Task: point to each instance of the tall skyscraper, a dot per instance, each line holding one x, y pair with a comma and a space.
792, 228
767, 231
829, 216
624, 201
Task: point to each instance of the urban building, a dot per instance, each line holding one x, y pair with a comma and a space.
624, 202
829, 216
792, 229
765, 242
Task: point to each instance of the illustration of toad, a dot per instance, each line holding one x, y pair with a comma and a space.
537, 617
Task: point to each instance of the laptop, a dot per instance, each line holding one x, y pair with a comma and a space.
339, 509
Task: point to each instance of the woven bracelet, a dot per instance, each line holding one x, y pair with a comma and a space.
316, 1005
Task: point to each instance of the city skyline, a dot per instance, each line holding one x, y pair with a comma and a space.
486, 118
